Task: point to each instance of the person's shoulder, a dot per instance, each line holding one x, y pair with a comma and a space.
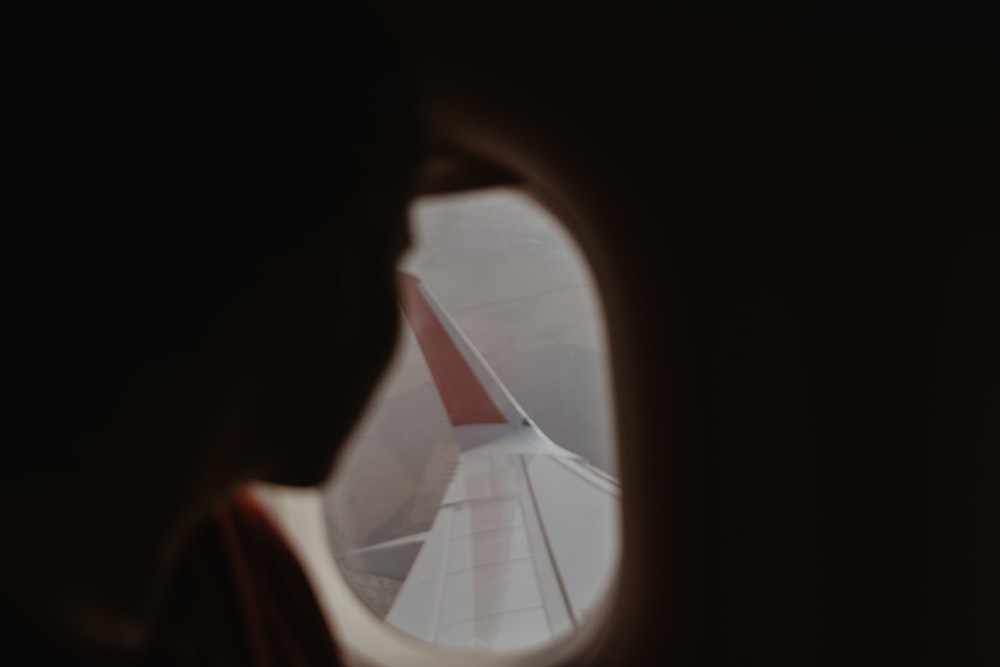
240, 596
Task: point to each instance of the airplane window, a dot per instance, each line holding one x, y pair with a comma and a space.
478, 506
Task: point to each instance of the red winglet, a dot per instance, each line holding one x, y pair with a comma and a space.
463, 395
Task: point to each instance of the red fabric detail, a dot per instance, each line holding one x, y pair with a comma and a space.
241, 598
245, 581
464, 397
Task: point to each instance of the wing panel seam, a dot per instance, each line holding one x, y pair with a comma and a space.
545, 540
505, 561
493, 613
439, 603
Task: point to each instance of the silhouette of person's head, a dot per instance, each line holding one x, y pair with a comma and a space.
209, 210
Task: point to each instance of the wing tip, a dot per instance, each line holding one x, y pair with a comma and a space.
467, 400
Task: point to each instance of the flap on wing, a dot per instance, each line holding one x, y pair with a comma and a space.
392, 558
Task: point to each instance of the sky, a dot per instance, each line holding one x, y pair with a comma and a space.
516, 284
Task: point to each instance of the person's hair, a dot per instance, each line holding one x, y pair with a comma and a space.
162, 163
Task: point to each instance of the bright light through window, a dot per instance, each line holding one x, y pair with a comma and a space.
477, 506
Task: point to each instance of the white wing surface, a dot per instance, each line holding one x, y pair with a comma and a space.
527, 536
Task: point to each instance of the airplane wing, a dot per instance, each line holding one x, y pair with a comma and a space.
527, 535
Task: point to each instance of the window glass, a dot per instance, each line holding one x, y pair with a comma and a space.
477, 505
